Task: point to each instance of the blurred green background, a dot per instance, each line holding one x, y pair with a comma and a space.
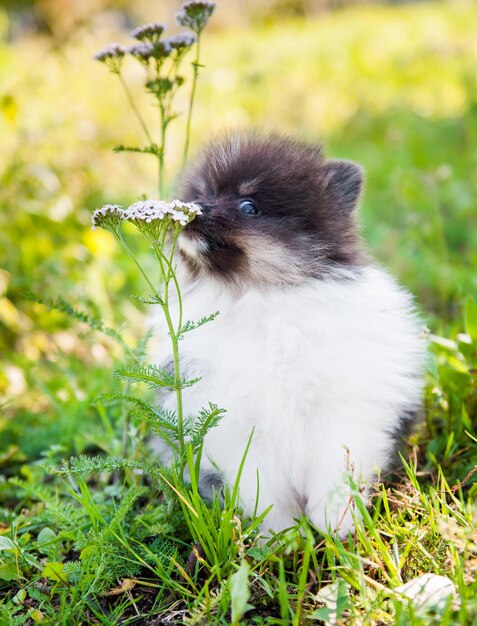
390, 86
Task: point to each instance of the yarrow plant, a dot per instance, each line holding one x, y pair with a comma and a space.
161, 222
162, 60
147, 212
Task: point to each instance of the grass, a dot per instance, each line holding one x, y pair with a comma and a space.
110, 537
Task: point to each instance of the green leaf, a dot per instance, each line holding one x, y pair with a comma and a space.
471, 317
458, 365
62, 306
6, 544
255, 553
54, 571
205, 421
85, 465
323, 614
189, 325
87, 552
20, 596
152, 149
46, 536
159, 86
150, 300
239, 592
8, 571
37, 616
153, 376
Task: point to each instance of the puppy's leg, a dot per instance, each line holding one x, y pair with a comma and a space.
331, 504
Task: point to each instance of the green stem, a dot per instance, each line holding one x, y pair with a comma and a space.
157, 246
171, 276
167, 275
133, 106
191, 100
162, 149
175, 349
131, 254
176, 283
177, 381
126, 416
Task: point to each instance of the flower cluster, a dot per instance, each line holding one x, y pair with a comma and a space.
145, 51
145, 212
162, 61
114, 50
181, 42
112, 56
195, 14
109, 214
148, 32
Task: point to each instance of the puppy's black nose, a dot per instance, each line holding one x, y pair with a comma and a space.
205, 206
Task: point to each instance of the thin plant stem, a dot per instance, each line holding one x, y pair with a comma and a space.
177, 377
176, 283
126, 423
158, 247
171, 275
162, 149
133, 106
167, 275
191, 100
161, 257
139, 266
177, 381
127, 419
173, 336
160, 97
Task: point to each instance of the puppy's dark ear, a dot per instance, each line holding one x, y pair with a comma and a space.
343, 183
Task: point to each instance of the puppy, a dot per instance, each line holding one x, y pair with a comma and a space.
316, 349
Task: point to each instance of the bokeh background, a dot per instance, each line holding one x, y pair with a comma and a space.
390, 85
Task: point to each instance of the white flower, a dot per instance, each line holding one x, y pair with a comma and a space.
151, 31
191, 207
108, 210
147, 211
113, 51
179, 216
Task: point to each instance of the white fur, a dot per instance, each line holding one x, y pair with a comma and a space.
193, 247
314, 369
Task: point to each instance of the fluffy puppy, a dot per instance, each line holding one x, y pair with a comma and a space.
316, 349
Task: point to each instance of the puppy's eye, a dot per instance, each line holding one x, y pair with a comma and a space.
248, 207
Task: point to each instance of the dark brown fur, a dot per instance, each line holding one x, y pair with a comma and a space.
306, 226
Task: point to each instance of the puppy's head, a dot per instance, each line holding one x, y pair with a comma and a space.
274, 211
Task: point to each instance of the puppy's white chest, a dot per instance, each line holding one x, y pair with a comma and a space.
284, 355
250, 356
312, 371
